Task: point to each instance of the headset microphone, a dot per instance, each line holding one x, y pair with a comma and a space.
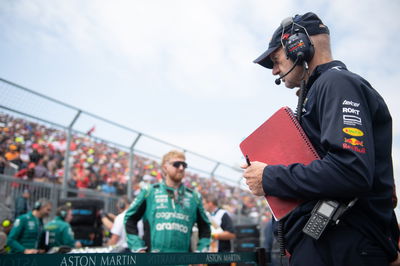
299, 58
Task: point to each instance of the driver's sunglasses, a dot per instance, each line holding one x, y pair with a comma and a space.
178, 164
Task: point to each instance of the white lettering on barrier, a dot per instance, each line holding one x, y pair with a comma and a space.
117, 260
82, 260
63, 262
232, 257
213, 258
78, 261
10, 260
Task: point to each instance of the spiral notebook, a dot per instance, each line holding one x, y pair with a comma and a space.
280, 140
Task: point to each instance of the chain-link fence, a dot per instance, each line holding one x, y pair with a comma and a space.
23, 102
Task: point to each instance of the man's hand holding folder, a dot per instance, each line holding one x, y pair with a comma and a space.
278, 141
253, 173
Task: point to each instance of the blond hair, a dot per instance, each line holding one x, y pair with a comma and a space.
172, 154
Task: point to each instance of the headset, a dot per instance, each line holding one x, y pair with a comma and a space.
37, 205
123, 202
297, 45
40, 203
63, 211
63, 214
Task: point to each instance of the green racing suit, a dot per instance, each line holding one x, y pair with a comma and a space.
26, 233
59, 233
168, 217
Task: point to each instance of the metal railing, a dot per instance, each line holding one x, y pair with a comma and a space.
22, 101
11, 188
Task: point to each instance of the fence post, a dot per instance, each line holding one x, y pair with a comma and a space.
67, 155
215, 169
131, 156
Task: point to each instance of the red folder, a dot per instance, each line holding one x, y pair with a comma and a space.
280, 140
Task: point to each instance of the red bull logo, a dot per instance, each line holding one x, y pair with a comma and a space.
354, 142
354, 148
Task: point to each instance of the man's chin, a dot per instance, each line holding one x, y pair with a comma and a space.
289, 84
177, 178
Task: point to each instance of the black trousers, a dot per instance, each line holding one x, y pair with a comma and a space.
339, 246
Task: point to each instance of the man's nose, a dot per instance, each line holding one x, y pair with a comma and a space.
275, 70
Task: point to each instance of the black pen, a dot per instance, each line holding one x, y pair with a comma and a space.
248, 160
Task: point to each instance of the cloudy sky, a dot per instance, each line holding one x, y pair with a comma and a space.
182, 71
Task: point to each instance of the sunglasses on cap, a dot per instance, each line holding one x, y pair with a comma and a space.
178, 164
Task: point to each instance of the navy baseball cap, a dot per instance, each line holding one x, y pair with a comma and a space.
310, 21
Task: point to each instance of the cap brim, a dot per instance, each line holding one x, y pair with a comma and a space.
264, 59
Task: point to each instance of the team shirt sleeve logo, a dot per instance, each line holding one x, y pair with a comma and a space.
351, 119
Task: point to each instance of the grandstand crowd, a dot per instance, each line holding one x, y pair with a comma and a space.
36, 152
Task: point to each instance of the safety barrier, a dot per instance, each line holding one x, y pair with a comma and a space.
11, 188
122, 259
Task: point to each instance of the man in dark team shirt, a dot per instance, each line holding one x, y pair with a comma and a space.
222, 229
350, 126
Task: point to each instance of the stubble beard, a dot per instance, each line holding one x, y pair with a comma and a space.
177, 178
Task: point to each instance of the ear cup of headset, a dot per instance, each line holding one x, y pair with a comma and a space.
63, 214
121, 204
299, 44
37, 205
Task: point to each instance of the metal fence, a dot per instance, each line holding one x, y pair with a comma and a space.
12, 188
21, 101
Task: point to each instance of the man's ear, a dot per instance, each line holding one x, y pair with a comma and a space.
164, 168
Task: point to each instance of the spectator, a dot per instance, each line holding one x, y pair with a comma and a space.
93, 161
21, 203
26, 235
109, 187
169, 210
13, 153
3, 162
27, 173
41, 171
121, 189
81, 175
34, 156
